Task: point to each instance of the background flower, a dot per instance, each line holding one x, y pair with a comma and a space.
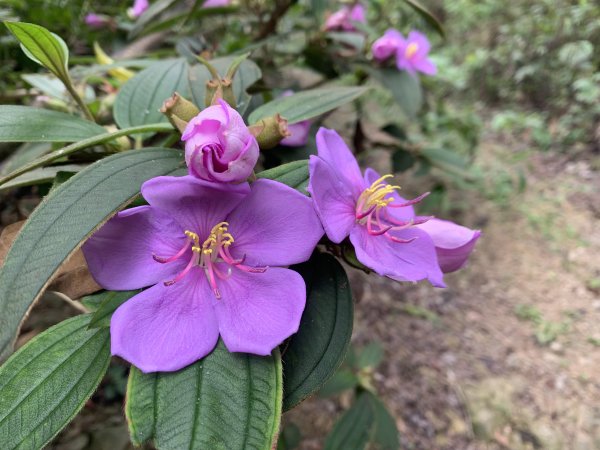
412, 54
344, 18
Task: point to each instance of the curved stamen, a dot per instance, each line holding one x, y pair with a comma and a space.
414, 201
192, 262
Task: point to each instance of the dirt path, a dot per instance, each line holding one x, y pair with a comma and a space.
508, 356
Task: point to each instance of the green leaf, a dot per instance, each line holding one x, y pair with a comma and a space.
76, 146
366, 422
449, 161
66, 217
385, 435
428, 16
43, 47
28, 124
41, 175
53, 87
139, 100
246, 75
370, 356
150, 15
24, 154
294, 174
353, 430
110, 301
342, 380
229, 401
48, 381
405, 88
318, 349
307, 104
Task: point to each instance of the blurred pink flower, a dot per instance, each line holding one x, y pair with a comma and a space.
343, 20
138, 8
412, 54
299, 131
96, 21
215, 3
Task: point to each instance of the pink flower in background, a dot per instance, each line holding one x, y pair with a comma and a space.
344, 18
96, 20
412, 54
218, 145
386, 234
214, 256
299, 131
387, 45
138, 8
215, 3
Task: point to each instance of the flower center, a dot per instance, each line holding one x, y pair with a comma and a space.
372, 210
411, 49
213, 256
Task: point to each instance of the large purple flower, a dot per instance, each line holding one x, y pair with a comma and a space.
386, 234
211, 254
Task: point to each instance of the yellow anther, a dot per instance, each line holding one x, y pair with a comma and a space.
196, 249
411, 49
376, 195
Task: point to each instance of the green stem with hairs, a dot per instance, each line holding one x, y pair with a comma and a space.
76, 146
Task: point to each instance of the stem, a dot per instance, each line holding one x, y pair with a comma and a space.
76, 146
86, 111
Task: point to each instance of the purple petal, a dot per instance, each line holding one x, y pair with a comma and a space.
425, 66
274, 226
387, 45
405, 213
453, 243
334, 151
215, 3
258, 311
197, 205
358, 13
139, 7
412, 261
333, 200
299, 134
119, 255
421, 40
164, 329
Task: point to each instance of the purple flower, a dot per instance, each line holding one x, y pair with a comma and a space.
215, 3
344, 18
387, 45
96, 20
412, 54
218, 145
386, 234
138, 8
211, 253
299, 131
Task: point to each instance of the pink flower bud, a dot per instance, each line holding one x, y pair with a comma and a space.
387, 45
138, 8
218, 145
96, 21
215, 3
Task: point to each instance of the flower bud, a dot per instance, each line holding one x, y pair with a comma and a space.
179, 111
270, 131
219, 146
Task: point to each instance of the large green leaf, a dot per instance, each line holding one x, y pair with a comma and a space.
294, 174
66, 217
28, 124
307, 104
318, 349
43, 47
247, 74
24, 154
405, 88
226, 401
140, 99
427, 16
48, 381
366, 422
